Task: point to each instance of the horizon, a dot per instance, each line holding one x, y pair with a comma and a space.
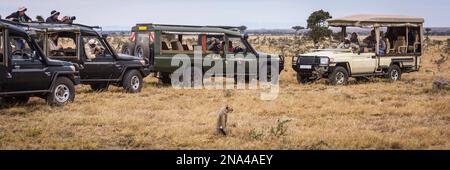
256, 15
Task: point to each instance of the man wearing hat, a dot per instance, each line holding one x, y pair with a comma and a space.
53, 18
20, 15
92, 49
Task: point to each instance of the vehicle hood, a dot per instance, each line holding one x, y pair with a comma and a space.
126, 57
268, 55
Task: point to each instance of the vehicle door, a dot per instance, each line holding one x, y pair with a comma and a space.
99, 63
28, 71
241, 56
363, 63
213, 52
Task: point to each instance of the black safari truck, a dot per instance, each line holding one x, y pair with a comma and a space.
25, 70
100, 65
159, 43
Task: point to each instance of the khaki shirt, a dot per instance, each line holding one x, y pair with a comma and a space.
52, 46
91, 52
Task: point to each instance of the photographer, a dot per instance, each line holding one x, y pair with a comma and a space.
53, 18
19, 16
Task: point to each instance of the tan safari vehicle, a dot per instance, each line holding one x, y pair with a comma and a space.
394, 47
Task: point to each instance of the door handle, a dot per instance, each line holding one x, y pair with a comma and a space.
17, 67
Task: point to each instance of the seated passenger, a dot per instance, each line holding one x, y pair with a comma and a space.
213, 45
345, 45
92, 49
371, 40
354, 38
52, 41
382, 47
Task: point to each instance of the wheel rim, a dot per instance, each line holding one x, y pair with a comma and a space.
394, 75
340, 78
62, 93
140, 52
135, 83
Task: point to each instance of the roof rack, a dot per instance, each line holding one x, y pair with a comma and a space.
193, 26
68, 24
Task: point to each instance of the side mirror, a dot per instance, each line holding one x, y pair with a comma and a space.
104, 36
33, 56
246, 36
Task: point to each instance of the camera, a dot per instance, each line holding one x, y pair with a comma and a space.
68, 19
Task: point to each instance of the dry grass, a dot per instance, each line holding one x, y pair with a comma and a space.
371, 115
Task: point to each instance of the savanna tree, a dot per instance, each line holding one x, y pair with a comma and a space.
297, 29
317, 24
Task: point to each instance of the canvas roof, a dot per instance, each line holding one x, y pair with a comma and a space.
364, 20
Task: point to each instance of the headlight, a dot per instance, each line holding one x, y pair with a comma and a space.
324, 61
142, 62
294, 59
73, 68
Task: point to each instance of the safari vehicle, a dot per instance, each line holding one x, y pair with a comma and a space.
391, 55
99, 71
25, 71
158, 44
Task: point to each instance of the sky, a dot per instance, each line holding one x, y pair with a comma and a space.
255, 14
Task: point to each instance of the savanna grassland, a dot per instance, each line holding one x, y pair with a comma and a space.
363, 115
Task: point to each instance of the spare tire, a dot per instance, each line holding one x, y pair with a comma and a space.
142, 50
128, 48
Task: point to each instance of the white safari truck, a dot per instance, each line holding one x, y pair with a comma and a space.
394, 47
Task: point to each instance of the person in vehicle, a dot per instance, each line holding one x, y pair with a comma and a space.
92, 49
382, 47
347, 44
354, 38
52, 43
53, 18
19, 15
213, 45
370, 41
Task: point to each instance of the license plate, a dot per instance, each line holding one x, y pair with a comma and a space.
305, 66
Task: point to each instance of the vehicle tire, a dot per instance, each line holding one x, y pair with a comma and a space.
128, 48
269, 75
99, 87
394, 73
62, 93
16, 100
132, 81
142, 51
302, 79
339, 76
164, 78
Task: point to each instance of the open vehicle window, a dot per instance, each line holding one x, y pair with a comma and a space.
62, 44
95, 48
402, 40
236, 45
179, 42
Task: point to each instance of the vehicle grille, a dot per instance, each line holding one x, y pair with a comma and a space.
308, 60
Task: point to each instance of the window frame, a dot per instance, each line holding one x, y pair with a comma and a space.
77, 45
101, 41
